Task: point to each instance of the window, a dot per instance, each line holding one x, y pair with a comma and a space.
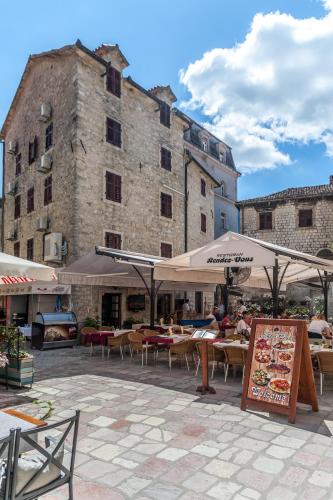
203, 223
113, 240
265, 220
223, 220
48, 136
166, 205
17, 207
203, 187
165, 114
31, 200
33, 151
205, 145
165, 159
113, 81
18, 164
166, 250
221, 157
305, 218
222, 187
198, 302
48, 190
30, 249
113, 187
113, 132
16, 249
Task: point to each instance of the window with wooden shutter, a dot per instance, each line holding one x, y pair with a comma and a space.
113, 132
18, 164
48, 190
113, 240
113, 187
17, 207
265, 220
166, 250
30, 249
31, 200
203, 223
33, 151
166, 205
203, 187
113, 81
165, 114
305, 218
166, 159
48, 136
17, 249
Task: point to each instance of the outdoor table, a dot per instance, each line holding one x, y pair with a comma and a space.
13, 419
165, 339
101, 338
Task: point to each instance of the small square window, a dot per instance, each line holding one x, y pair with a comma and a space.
305, 218
166, 205
166, 159
113, 240
166, 250
113, 132
265, 221
203, 223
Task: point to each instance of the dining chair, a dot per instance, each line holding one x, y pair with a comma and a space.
42, 470
215, 356
137, 345
325, 363
6, 463
180, 350
106, 328
235, 356
116, 342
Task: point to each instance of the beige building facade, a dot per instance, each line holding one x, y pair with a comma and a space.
92, 158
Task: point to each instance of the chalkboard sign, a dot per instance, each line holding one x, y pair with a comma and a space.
278, 369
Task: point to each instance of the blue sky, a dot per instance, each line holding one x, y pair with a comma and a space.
159, 38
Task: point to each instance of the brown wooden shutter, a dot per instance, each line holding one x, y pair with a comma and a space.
113, 81
113, 240
113, 132
166, 250
203, 223
17, 207
305, 218
113, 187
165, 114
30, 200
265, 220
166, 205
48, 190
203, 187
165, 159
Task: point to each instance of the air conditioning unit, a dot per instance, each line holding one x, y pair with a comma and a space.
12, 147
42, 224
45, 164
11, 235
45, 112
11, 188
53, 247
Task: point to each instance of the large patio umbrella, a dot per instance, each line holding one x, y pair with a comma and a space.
16, 270
271, 265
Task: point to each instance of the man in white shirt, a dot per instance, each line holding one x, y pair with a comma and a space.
186, 308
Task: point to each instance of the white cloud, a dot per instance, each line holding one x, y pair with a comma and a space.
273, 88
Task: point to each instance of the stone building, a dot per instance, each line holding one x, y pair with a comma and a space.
92, 158
299, 218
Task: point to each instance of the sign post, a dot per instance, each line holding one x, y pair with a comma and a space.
278, 369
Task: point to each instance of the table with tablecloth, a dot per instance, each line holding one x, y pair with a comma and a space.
101, 337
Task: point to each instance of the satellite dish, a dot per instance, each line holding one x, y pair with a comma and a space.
237, 275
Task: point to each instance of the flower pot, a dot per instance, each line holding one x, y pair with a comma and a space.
19, 372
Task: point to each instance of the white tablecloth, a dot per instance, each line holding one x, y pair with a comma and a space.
8, 422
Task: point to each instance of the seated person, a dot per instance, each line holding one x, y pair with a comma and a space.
213, 325
319, 328
244, 326
226, 321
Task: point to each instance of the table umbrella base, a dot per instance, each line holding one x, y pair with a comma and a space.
203, 389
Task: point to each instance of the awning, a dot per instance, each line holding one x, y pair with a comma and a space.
13, 268
35, 288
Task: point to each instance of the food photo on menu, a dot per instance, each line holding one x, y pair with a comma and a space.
272, 364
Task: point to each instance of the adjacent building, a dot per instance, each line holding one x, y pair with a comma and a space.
92, 158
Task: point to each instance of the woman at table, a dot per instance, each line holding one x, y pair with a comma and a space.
319, 328
244, 325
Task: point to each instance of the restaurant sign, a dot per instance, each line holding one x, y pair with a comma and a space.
278, 367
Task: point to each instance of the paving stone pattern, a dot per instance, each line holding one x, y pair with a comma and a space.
146, 434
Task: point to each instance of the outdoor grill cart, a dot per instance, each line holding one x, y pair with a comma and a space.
52, 330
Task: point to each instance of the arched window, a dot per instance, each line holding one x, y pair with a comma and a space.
325, 253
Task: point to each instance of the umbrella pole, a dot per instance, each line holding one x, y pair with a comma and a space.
275, 289
152, 299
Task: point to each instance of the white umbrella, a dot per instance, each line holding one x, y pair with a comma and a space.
16, 270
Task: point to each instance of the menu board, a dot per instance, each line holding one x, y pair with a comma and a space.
278, 369
272, 364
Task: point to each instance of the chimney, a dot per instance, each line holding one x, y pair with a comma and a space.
331, 180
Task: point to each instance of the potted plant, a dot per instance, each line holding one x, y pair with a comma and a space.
18, 370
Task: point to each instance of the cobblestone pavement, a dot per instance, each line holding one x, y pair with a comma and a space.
146, 434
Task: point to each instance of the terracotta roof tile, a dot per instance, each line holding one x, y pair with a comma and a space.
292, 193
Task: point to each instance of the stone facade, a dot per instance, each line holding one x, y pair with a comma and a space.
73, 81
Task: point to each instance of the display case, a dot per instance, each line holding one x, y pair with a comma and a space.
52, 330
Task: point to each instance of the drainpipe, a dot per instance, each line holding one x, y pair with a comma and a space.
187, 161
3, 196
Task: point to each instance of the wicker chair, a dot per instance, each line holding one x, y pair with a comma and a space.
182, 349
88, 329
325, 363
149, 333
235, 336
215, 356
137, 345
234, 356
107, 328
118, 341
